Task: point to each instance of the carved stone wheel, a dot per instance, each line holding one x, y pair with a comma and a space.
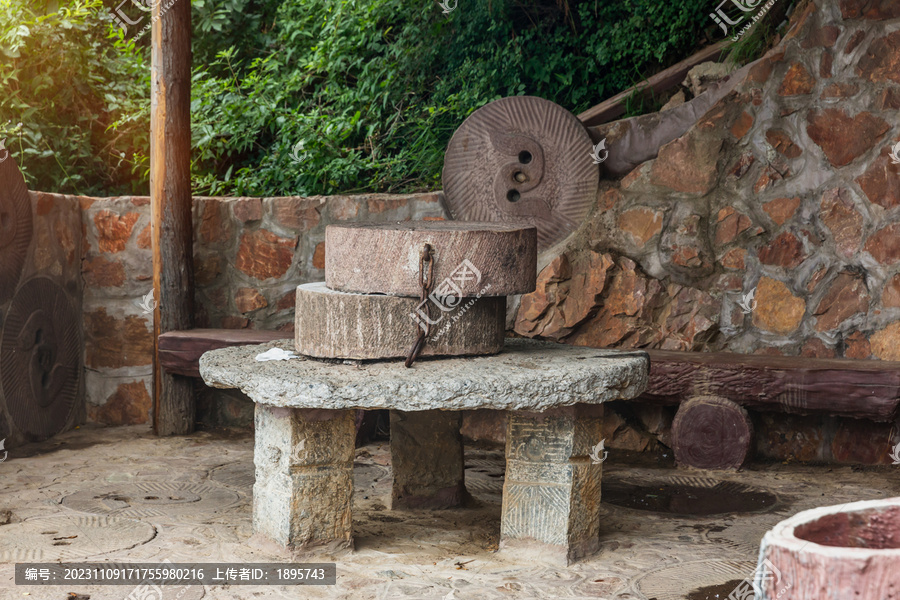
522, 159
15, 227
40, 358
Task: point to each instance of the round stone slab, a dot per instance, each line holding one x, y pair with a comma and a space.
470, 259
522, 158
332, 324
146, 499
70, 537
527, 375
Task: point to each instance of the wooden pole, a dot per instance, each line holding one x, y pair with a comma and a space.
170, 201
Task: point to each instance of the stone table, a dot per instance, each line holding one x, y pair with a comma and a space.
305, 433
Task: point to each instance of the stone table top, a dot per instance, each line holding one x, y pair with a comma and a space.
526, 375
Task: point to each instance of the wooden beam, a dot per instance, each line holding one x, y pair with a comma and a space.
862, 389
664, 80
170, 201
180, 351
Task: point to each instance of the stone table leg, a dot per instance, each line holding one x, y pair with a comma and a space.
304, 477
551, 496
427, 459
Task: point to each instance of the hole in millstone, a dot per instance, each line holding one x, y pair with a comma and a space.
525, 157
62, 544
513, 195
520, 177
706, 497
151, 497
495, 475
176, 498
49, 532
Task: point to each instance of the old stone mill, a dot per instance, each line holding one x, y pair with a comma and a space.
612, 357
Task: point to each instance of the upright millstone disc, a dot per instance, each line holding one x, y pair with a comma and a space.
40, 358
522, 158
15, 225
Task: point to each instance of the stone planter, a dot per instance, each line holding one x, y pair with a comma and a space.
834, 553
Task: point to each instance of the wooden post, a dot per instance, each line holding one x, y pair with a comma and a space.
170, 197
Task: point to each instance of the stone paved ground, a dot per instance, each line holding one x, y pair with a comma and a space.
127, 496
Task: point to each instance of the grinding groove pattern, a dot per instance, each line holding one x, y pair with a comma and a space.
522, 159
40, 358
662, 583
153, 499
70, 537
238, 475
15, 227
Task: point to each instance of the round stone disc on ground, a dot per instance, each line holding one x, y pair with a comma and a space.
40, 358
522, 158
153, 499
470, 259
332, 324
70, 537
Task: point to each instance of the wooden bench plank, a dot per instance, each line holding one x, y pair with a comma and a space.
840, 387
180, 351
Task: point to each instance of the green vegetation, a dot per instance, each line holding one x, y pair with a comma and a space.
366, 94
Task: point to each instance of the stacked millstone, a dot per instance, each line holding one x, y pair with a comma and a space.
414, 288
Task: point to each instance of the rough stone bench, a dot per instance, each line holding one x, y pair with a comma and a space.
305, 430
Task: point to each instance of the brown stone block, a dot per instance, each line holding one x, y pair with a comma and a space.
247, 209
840, 90
881, 62
782, 209
143, 240
884, 244
843, 220
207, 269
844, 138
862, 442
886, 343
687, 164
890, 297
881, 181
847, 296
783, 143
264, 255
318, 259
889, 99
821, 36
857, 346
379, 205
232, 322
731, 224
876, 10
786, 251
826, 64
797, 81
341, 208
129, 405
788, 437
855, 41
115, 343
734, 258
743, 165
641, 223
816, 348
301, 214
742, 125
100, 272
215, 223
113, 231
249, 299
777, 309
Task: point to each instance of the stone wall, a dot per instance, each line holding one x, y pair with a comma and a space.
249, 255
784, 189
